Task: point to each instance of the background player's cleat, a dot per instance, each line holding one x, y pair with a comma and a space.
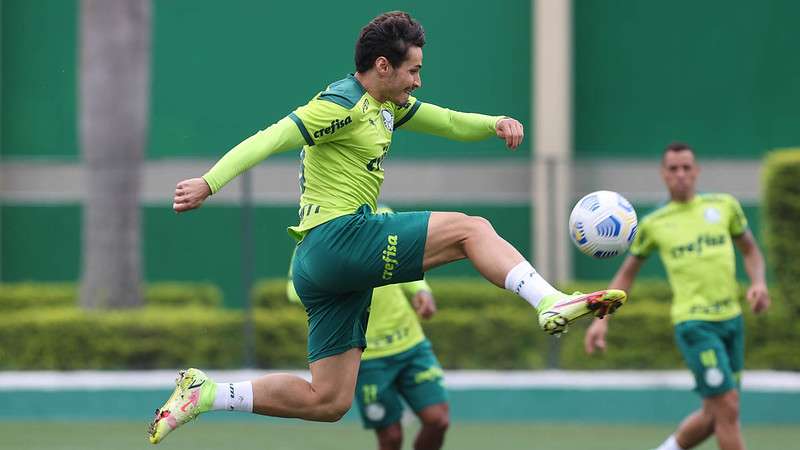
194, 394
558, 310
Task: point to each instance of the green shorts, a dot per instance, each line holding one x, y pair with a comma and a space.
714, 352
415, 375
337, 265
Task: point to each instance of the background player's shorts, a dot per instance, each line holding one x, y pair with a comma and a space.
714, 352
338, 263
415, 375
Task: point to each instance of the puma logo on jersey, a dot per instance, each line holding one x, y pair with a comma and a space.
335, 125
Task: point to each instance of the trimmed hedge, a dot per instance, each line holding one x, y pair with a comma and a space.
498, 337
471, 293
781, 206
16, 296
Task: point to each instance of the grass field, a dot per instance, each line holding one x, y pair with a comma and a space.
294, 435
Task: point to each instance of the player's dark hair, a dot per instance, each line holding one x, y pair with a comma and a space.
389, 35
676, 146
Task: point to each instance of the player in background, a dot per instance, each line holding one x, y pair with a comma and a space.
694, 235
344, 250
399, 364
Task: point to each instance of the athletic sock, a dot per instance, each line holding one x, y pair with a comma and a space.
234, 397
526, 282
670, 444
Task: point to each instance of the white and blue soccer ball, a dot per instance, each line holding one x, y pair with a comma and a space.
603, 224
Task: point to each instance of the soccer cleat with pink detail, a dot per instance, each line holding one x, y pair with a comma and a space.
558, 310
194, 394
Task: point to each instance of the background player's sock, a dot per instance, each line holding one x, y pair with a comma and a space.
670, 444
234, 397
526, 282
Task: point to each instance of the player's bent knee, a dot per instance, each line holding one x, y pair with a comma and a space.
333, 412
725, 407
480, 226
438, 423
391, 437
436, 417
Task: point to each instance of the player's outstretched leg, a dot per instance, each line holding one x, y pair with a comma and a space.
454, 236
558, 310
194, 394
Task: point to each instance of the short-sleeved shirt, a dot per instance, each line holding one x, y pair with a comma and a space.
694, 241
393, 326
348, 134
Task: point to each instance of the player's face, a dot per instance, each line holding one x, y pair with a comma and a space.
405, 78
680, 171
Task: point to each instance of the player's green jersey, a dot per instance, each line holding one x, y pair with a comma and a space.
345, 134
694, 242
393, 325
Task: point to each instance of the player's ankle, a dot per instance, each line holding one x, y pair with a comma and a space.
233, 397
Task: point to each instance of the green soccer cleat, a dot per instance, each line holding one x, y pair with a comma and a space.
558, 310
194, 394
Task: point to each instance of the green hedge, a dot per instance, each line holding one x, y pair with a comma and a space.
781, 206
470, 293
505, 337
15, 296
477, 326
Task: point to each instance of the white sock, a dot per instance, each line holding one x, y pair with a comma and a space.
670, 444
526, 282
234, 397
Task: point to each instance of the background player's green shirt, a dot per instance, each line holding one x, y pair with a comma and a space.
694, 242
345, 134
393, 326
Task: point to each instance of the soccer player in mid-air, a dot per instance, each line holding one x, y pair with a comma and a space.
694, 236
344, 250
399, 364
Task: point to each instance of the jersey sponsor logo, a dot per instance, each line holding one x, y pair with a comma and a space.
697, 246
336, 124
388, 257
716, 307
388, 119
387, 340
365, 106
712, 215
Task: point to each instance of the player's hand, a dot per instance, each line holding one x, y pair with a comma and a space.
190, 194
595, 338
424, 304
511, 131
758, 296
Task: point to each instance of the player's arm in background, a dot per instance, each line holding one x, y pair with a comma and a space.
421, 297
289, 133
757, 293
431, 119
643, 245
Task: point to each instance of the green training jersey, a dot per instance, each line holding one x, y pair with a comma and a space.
694, 242
393, 326
346, 135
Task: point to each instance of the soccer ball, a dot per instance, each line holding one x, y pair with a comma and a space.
602, 224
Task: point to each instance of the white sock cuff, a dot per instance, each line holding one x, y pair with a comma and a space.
670, 444
234, 397
515, 275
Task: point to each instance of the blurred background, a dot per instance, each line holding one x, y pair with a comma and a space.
105, 105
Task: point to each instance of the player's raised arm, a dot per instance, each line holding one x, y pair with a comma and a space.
459, 126
283, 135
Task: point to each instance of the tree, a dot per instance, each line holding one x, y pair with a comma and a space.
114, 92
